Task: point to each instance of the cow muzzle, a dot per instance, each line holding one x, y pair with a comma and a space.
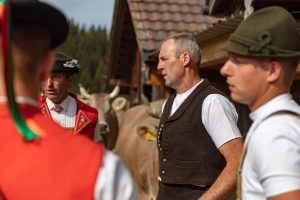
104, 127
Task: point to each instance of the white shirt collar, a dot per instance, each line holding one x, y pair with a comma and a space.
188, 92
63, 104
281, 102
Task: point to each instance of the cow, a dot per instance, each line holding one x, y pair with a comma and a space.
136, 146
107, 114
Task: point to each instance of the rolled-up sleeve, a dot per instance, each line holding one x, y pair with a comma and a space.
220, 119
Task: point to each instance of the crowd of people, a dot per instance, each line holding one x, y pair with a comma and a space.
201, 152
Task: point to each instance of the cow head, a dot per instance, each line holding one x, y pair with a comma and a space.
107, 118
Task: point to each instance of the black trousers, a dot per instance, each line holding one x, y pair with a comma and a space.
179, 191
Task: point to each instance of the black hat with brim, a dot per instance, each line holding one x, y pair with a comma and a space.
43, 15
65, 64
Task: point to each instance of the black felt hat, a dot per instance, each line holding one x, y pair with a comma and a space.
43, 15
64, 63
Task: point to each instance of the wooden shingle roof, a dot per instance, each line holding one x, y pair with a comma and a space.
154, 20
141, 25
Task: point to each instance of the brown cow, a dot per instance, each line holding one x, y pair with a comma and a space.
140, 154
108, 119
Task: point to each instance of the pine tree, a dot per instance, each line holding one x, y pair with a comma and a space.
88, 46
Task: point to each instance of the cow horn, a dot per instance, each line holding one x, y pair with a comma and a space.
115, 92
83, 91
151, 111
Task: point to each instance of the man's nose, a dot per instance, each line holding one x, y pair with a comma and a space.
224, 71
49, 82
159, 66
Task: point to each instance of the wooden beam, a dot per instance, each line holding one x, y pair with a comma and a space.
212, 55
297, 77
121, 82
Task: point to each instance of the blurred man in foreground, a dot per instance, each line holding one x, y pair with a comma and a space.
260, 70
55, 165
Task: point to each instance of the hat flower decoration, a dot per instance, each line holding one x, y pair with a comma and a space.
71, 64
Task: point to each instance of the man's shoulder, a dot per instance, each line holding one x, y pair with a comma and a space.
86, 107
59, 135
41, 99
48, 128
83, 106
211, 89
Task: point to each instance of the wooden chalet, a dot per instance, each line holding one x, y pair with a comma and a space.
212, 40
139, 26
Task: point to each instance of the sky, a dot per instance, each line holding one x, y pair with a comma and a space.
88, 12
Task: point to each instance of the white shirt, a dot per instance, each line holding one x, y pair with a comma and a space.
67, 117
218, 116
272, 163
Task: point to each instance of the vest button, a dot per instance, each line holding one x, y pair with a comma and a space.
160, 149
163, 172
165, 160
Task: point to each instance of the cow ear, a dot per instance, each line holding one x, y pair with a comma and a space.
119, 103
146, 132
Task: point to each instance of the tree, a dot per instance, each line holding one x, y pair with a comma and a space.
88, 46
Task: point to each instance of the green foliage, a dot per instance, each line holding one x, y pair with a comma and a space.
88, 46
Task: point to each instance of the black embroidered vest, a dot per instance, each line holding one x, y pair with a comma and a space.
187, 154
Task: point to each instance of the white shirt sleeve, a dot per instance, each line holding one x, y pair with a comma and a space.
220, 119
114, 181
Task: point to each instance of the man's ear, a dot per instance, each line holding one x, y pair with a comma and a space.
46, 65
186, 58
275, 71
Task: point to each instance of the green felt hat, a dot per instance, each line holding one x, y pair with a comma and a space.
269, 32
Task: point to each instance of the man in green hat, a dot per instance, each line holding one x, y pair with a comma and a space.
263, 56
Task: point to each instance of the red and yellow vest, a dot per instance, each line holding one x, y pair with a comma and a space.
57, 166
86, 116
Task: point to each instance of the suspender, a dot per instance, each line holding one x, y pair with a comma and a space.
239, 180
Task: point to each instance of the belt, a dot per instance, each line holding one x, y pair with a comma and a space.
187, 186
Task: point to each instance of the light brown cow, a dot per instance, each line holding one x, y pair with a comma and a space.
107, 116
140, 154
